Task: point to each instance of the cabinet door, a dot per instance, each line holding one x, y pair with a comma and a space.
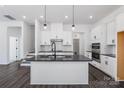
105, 64
67, 38
111, 33
45, 38
96, 34
93, 36
108, 65
112, 67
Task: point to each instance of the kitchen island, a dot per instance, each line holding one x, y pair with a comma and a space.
64, 70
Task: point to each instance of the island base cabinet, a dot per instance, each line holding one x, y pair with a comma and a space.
59, 73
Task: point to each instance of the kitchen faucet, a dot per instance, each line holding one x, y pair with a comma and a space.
53, 48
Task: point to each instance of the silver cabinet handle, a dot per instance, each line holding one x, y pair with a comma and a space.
113, 41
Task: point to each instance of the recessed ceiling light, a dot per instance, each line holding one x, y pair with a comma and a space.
91, 17
66, 17
24, 17
41, 16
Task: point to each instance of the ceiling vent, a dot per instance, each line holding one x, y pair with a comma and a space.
9, 17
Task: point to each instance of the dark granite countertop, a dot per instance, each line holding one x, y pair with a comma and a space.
52, 51
69, 58
109, 55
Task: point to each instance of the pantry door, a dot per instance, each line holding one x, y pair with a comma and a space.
120, 55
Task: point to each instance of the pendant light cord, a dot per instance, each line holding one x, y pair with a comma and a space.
73, 13
45, 13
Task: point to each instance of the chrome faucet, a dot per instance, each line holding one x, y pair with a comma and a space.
53, 48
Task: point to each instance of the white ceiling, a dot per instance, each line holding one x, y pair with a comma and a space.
56, 13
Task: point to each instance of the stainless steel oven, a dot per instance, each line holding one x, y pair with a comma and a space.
96, 52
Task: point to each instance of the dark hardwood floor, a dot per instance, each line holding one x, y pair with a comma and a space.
14, 76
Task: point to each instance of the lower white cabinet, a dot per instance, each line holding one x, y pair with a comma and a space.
108, 65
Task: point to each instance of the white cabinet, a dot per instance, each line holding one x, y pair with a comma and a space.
95, 34
56, 35
67, 38
111, 33
98, 34
112, 67
108, 65
45, 38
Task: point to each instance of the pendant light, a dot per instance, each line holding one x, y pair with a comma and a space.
45, 24
73, 25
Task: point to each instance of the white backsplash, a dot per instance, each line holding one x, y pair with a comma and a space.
110, 49
59, 47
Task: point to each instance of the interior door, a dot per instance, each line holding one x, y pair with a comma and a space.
13, 48
76, 46
120, 55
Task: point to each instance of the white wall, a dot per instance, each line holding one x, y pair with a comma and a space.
4, 47
37, 36
15, 32
25, 39
28, 38
111, 16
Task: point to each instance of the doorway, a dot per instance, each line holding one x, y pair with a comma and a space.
120, 55
13, 49
14, 43
76, 46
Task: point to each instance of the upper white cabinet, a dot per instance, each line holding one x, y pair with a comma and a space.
45, 38
120, 22
56, 35
95, 34
111, 33
67, 38
98, 34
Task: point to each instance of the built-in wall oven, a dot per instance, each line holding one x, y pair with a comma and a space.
96, 52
